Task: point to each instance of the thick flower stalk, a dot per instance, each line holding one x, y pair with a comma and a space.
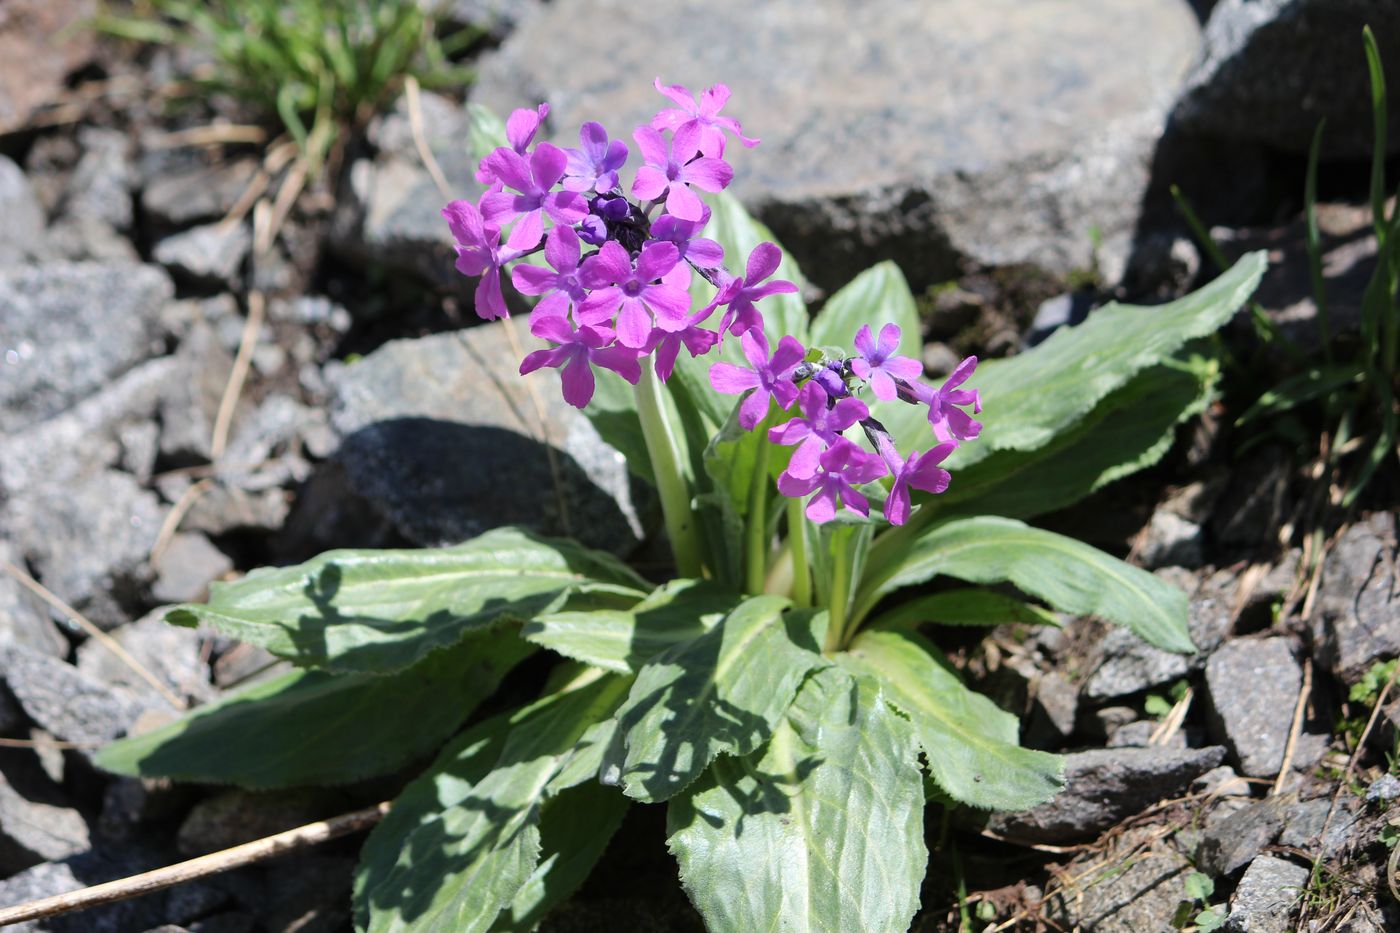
614, 292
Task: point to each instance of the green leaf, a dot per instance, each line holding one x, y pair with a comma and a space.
463, 840
971, 746
575, 828
719, 693
821, 833
1069, 575
1129, 430
310, 727
1209, 920
624, 639
379, 611
1031, 398
964, 607
878, 296
1304, 387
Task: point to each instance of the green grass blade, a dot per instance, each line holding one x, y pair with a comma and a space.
1319, 285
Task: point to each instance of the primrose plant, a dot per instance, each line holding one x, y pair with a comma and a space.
778, 693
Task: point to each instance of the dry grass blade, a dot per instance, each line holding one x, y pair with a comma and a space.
107, 641
1171, 723
177, 514
213, 134
257, 310
420, 141
202, 867
1297, 726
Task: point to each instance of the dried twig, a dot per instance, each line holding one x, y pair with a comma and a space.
420, 141
1287, 767
177, 514
202, 867
1171, 723
211, 134
257, 309
83, 622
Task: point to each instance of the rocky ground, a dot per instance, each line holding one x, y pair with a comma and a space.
1014, 156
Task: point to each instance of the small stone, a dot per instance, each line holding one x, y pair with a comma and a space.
64, 701
68, 329
1267, 896
240, 662
22, 235
1307, 825
80, 871
1253, 686
1056, 701
312, 896
140, 445
186, 567
405, 437
1129, 665
36, 823
1064, 310
1103, 786
1253, 504
38, 50
1139, 735
173, 654
1232, 843
238, 816
211, 254
99, 190
1133, 887
89, 541
1383, 789
89, 241
1171, 540
1221, 782
222, 509
182, 194
129, 802
1360, 619
190, 405
25, 617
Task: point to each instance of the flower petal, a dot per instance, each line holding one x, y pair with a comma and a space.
577, 378
731, 380
763, 262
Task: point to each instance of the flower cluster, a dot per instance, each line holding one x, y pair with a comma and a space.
613, 291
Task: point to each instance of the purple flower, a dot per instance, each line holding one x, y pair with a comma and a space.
521, 128
666, 345
664, 174
561, 288
768, 378
633, 295
593, 166
829, 377
479, 254
742, 316
878, 365
948, 422
841, 468
698, 123
920, 471
578, 352
705, 253
533, 180
819, 427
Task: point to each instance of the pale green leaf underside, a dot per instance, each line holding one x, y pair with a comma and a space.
878, 296
964, 607
312, 728
971, 746
624, 639
462, 840
720, 693
377, 611
822, 832
1069, 575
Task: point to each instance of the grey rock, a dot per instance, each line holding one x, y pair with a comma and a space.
225, 508
190, 404
89, 240
65, 701
140, 445
1253, 687
102, 182
210, 254
1253, 505
1102, 786
1130, 665
1308, 826
79, 871
240, 662
24, 618
1162, 268
313, 897
497, 17
186, 567
238, 816
414, 413
1139, 735
1007, 130
36, 823
1267, 896
393, 215
22, 235
182, 194
128, 803
1360, 619
1133, 887
1171, 540
1271, 69
91, 434
67, 329
11, 717
1383, 789
172, 653
1064, 310
1056, 702
89, 540
1233, 842
1221, 782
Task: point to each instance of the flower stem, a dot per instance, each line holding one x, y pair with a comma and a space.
840, 590
756, 532
663, 447
797, 546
